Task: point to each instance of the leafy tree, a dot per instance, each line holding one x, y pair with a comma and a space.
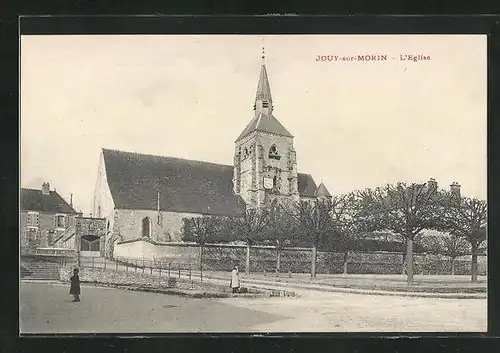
201, 230
405, 210
467, 218
250, 227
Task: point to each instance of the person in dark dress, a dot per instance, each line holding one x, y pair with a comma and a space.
75, 286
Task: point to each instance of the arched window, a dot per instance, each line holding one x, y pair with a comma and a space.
275, 183
275, 205
273, 153
90, 243
146, 227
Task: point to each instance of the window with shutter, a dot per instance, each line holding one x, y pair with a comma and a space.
60, 221
33, 219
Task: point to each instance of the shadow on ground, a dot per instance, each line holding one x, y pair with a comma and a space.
47, 308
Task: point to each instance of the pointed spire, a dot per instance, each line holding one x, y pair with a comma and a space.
263, 99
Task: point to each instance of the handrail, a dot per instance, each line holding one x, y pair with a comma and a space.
71, 228
55, 252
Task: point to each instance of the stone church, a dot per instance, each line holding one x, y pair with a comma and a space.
145, 197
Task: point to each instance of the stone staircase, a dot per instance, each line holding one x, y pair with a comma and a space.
39, 270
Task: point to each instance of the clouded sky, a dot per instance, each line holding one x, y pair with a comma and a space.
356, 124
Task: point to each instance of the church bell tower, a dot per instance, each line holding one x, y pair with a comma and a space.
265, 165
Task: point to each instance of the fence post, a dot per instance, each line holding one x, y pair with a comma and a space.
151, 268
126, 266
189, 271
169, 269
116, 265
160, 268
92, 262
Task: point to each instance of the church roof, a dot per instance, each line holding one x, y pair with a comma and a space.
306, 185
322, 191
185, 185
265, 123
36, 200
263, 87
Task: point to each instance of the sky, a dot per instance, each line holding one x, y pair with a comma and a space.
355, 124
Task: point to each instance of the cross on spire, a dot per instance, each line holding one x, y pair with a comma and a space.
263, 52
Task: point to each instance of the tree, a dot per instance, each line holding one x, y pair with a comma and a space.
281, 229
467, 218
347, 224
201, 230
447, 245
315, 222
405, 210
250, 227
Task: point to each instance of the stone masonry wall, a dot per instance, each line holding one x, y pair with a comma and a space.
128, 224
46, 223
111, 277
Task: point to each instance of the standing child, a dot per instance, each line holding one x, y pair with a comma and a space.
75, 285
235, 280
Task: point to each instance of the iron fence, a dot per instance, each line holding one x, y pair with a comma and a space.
154, 267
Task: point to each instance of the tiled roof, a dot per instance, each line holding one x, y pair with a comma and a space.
35, 200
322, 191
185, 185
306, 185
263, 88
265, 123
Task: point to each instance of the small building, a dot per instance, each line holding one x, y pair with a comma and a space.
45, 218
90, 236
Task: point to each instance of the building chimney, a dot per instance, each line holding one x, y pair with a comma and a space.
455, 189
46, 188
433, 185
71, 200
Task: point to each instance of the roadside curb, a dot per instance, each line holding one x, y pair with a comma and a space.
168, 291
375, 292
333, 289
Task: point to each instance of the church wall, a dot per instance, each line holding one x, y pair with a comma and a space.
245, 166
128, 224
310, 199
283, 144
256, 164
142, 249
103, 203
